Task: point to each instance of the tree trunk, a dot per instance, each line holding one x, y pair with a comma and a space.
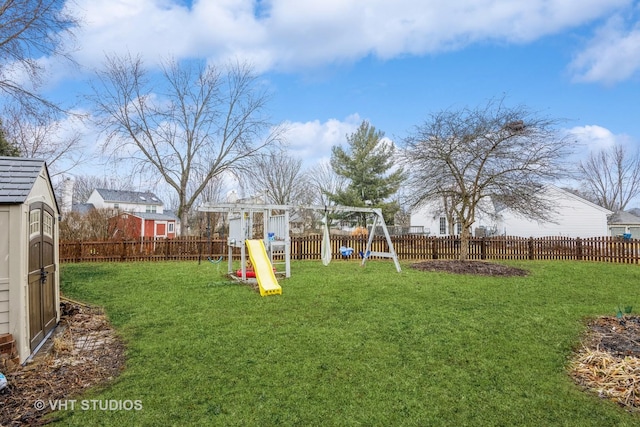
184, 222
465, 236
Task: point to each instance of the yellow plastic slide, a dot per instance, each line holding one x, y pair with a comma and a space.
262, 267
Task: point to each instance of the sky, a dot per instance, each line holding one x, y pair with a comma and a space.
331, 64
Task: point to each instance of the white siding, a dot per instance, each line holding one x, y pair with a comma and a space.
4, 272
429, 215
573, 217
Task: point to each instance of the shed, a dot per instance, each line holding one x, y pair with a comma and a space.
29, 274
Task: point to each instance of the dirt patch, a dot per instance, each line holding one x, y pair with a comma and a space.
469, 267
84, 352
608, 363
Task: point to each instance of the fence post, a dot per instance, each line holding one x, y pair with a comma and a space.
531, 247
578, 249
434, 249
483, 245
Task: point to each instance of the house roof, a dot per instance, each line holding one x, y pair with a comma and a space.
151, 216
118, 196
622, 217
82, 208
17, 177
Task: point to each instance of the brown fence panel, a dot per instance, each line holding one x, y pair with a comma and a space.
408, 247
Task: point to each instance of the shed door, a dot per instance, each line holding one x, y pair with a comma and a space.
42, 298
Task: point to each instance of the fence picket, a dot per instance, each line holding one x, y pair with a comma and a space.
408, 247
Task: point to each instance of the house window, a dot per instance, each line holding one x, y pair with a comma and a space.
151, 209
443, 225
171, 227
618, 231
116, 206
458, 228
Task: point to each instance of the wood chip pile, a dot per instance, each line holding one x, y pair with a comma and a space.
609, 362
83, 353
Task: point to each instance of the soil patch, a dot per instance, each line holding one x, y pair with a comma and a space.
469, 267
608, 363
83, 352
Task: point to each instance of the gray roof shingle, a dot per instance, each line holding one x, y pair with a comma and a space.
622, 217
17, 176
118, 196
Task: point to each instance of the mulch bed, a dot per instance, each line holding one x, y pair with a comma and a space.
84, 352
469, 267
608, 363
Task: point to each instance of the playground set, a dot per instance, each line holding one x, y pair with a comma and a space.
262, 232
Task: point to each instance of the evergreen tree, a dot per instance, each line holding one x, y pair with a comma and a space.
366, 164
6, 147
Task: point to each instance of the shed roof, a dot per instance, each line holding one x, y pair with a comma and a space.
145, 198
17, 177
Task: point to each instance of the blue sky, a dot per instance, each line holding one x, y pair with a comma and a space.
333, 63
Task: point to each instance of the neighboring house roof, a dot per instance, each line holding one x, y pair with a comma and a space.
118, 196
151, 216
82, 208
17, 177
622, 217
171, 214
634, 211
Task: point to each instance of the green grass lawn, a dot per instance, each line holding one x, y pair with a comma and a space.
351, 346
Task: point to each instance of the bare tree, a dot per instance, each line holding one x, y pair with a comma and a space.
611, 177
324, 181
196, 123
490, 152
94, 225
44, 136
28, 28
278, 176
83, 185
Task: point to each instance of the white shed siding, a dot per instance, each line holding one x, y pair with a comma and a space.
4, 272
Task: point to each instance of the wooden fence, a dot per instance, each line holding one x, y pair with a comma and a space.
408, 247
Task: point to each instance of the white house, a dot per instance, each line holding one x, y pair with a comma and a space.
126, 201
142, 213
573, 216
621, 223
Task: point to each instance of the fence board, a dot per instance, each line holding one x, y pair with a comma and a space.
408, 247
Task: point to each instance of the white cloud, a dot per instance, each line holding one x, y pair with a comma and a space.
312, 141
594, 138
611, 56
293, 34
